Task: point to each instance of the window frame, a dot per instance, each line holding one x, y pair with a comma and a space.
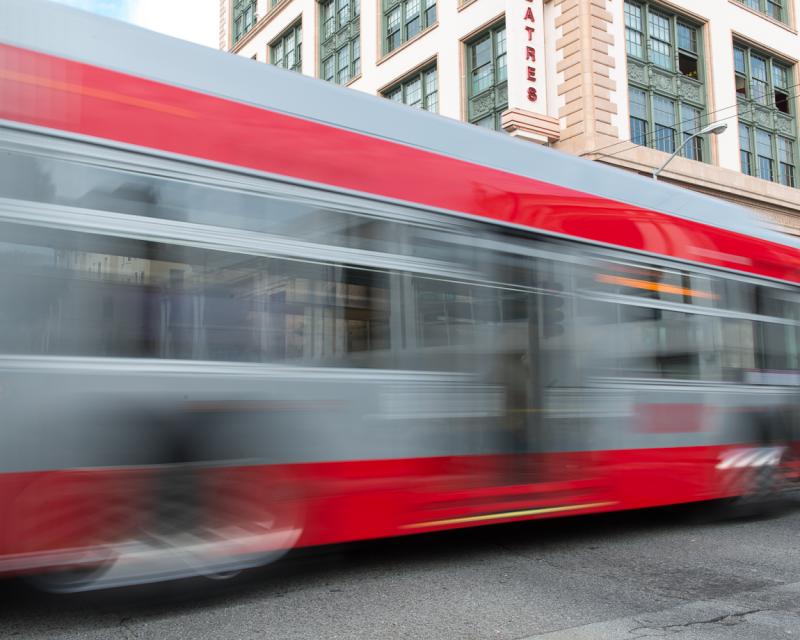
295, 30
400, 87
339, 36
652, 83
428, 16
755, 115
763, 7
495, 87
240, 27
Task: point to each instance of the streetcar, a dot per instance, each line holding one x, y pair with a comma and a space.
244, 311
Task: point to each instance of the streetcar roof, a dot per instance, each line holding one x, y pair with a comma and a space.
77, 35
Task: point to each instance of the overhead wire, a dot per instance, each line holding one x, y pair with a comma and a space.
653, 132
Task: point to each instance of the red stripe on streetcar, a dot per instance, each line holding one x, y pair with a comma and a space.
356, 500
42, 90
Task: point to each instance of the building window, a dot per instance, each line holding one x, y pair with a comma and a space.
767, 119
403, 19
775, 154
746, 150
665, 79
487, 80
420, 90
244, 17
286, 50
340, 45
634, 38
766, 160
772, 8
786, 155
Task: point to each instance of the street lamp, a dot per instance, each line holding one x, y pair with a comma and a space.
715, 128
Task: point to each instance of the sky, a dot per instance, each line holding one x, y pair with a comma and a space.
195, 20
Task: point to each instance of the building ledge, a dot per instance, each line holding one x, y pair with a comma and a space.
531, 126
774, 201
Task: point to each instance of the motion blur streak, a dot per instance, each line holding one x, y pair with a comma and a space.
229, 329
653, 286
509, 514
89, 92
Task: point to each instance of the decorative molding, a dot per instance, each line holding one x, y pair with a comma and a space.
637, 71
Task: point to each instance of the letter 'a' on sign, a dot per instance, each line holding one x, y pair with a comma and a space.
529, 15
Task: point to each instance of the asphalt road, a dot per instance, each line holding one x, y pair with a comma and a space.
661, 573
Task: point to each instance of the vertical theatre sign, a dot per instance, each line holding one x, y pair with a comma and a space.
528, 116
530, 52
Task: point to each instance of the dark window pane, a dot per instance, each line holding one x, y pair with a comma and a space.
782, 101
688, 65
741, 87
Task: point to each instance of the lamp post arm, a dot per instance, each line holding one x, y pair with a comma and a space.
674, 153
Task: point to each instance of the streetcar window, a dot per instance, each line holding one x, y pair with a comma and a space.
779, 342
779, 347
643, 342
448, 312
736, 340
735, 295
665, 345
77, 294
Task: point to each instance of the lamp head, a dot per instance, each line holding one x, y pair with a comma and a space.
715, 128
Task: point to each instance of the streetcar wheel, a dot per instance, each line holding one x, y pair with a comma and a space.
255, 515
68, 524
763, 492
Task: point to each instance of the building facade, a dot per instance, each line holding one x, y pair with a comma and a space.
625, 82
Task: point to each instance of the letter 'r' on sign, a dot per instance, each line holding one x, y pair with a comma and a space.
530, 54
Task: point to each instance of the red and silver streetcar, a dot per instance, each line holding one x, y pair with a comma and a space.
242, 311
